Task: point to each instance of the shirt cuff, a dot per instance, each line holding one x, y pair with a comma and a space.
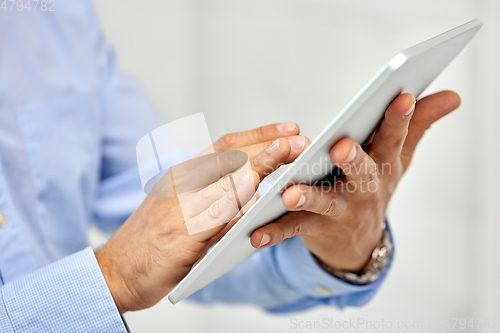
5, 323
303, 273
69, 295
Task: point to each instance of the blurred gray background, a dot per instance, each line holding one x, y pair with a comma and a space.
249, 63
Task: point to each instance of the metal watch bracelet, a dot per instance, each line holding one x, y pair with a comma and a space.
369, 274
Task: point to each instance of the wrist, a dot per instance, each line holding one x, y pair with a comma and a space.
114, 280
379, 259
354, 255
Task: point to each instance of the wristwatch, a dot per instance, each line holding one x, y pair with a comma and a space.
371, 272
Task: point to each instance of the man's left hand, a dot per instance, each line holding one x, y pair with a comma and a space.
341, 223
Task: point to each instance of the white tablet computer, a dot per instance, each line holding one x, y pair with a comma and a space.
410, 71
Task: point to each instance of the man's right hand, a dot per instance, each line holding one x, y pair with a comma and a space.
153, 250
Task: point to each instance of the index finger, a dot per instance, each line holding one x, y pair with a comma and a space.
257, 135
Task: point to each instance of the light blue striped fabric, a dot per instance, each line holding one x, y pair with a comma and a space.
285, 278
33, 302
69, 124
5, 323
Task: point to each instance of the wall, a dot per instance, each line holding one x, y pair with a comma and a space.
248, 63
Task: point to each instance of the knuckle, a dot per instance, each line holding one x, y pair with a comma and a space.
224, 185
399, 140
229, 201
255, 163
282, 237
331, 206
370, 177
204, 194
393, 139
296, 229
228, 140
372, 174
260, 134
214, 211
422, 126
393, 121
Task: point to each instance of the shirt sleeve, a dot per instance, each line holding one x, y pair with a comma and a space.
69, 295
127, 116
286, 278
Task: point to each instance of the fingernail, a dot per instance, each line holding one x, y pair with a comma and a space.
274, 146
286, 128
297, 142
352, 155
411, 109
265, 240
245, 178
302, 200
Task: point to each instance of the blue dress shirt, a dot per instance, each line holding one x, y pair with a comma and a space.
69, 123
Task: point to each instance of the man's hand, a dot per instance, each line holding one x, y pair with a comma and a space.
153, 250
341, 224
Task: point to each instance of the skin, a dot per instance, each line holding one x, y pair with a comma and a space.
342, 228
153, 250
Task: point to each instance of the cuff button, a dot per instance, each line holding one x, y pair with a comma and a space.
324, 290
2, 220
